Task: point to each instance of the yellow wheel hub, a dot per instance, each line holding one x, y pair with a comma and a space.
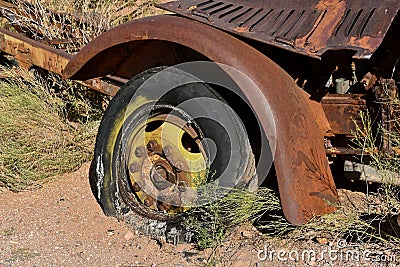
166, 162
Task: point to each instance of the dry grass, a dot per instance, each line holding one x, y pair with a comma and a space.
49, 124
213, 222
71, 24
37, 142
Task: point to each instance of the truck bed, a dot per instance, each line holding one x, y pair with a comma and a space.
308, 27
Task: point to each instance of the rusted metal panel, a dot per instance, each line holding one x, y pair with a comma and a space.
304, 178
30, 53
343, 112
309, 27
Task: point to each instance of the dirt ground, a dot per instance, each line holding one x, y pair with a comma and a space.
61, 224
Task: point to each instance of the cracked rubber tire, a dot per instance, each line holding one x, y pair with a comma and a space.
110, 175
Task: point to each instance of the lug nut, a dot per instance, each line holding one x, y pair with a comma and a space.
179, 166
136, 187
167, 150
140, 151
134, 167
163, 206
182, 185
152, 145
148, 201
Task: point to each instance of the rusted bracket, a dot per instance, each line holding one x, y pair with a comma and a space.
30, 53
343, 112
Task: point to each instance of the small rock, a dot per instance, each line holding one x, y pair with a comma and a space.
322, 240
129, 235
110, 232
247, 234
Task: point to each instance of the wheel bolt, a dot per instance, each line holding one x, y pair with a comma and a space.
163, 206
140, 151
148, 201
136, 187
182, 185
167, 150
134, 167
179, 166
152, 145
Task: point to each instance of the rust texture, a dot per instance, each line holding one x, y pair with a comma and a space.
30, 53
386, 93
309, 27
304, 177
342, 112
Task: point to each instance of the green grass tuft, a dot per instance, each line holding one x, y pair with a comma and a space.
212, 222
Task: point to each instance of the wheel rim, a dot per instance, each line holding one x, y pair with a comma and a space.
166, 160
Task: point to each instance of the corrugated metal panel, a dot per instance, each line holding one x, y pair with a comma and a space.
307, 27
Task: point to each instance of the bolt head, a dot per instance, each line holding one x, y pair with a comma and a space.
179, 166
140, 151
152, 145
134, 167
167, 150
148, 202
136, 187
163, 206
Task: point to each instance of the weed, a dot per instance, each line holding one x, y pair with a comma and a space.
71, 24
9, 232
37, 142
380, 148
373, 219
22, 254
226, 209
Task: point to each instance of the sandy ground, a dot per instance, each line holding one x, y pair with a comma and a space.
61, 224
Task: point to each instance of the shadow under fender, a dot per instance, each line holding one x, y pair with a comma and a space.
304, 178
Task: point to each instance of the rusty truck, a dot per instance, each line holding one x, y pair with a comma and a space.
231, 89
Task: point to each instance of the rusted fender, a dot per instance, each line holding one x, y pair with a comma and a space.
304, 178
